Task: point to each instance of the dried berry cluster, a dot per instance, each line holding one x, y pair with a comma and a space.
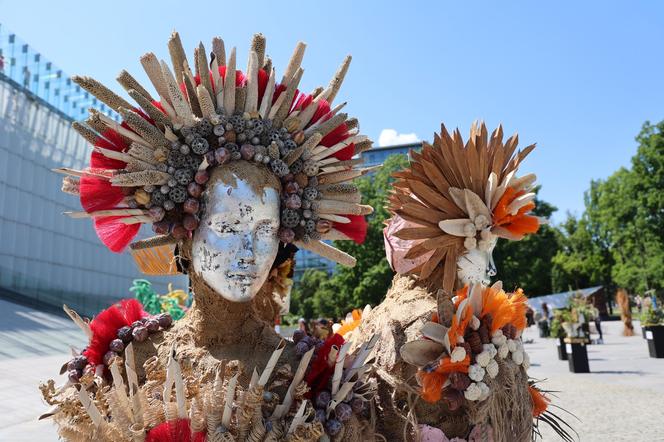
175, 206
354, 403
138, 331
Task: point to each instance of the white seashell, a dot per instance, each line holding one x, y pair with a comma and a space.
475, 206
499, 340
483, 358
493, 351
473, 392
458, 354
469, 230
497, 286
456, 227
475, 322
526, 361
503, 351
484, 390
476, 373
420, 352
470, 243
492, 369
481, 222
517, 357
511, 344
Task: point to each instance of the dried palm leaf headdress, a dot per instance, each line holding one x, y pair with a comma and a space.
152, 167
458, 196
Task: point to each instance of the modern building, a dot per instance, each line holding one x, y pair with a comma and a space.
47, 259
373, 157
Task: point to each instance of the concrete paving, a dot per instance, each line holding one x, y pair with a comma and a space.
622, 399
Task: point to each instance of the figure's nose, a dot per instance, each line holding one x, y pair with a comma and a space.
246, 252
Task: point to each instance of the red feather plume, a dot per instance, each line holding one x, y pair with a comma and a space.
356, 229
113, 233
174, 431
106, 324
99, 194
321, 372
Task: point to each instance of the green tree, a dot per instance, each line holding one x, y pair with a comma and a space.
526, 264
368, 281
584, 259
619, 240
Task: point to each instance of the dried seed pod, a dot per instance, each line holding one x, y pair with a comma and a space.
485, 336
273, 151
459, 381
475, 342
178, 194
453, 398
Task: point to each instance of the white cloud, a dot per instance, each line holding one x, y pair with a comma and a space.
390, 137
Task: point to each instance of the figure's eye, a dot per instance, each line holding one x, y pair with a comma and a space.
223, 228
266, 229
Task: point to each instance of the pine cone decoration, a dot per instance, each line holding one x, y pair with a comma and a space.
475, 342
487, 320
485, 336
469, 351
509, 330
453, 398
459, 381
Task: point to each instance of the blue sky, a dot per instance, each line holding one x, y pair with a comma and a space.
578, 78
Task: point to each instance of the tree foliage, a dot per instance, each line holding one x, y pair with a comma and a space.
619, 240
366, 283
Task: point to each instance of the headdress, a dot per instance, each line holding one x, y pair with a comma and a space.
153, 166
458, 196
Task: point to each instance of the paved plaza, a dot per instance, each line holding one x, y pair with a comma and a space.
621, 400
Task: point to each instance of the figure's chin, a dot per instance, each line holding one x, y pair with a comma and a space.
238, 294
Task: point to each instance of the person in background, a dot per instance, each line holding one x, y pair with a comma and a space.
323, 329
598, 325
543, 322
302, 325
2, 63
530, 316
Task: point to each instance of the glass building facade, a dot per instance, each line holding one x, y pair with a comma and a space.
373, 157
47, 259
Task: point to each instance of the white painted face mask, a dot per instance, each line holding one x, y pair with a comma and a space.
236, 243
477, 266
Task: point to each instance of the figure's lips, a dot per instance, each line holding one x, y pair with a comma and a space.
241, 277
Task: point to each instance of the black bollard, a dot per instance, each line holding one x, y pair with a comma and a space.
655, 337
562, 350
577, 355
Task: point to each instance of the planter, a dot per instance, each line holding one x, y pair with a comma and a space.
562, 349
577, 355
655, 337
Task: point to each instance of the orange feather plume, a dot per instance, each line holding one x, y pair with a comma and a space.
432, 385
446, 366
518, 224
348, 326
540, 402
519, 307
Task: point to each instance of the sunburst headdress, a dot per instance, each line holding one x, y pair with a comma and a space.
458, 196
153, 166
